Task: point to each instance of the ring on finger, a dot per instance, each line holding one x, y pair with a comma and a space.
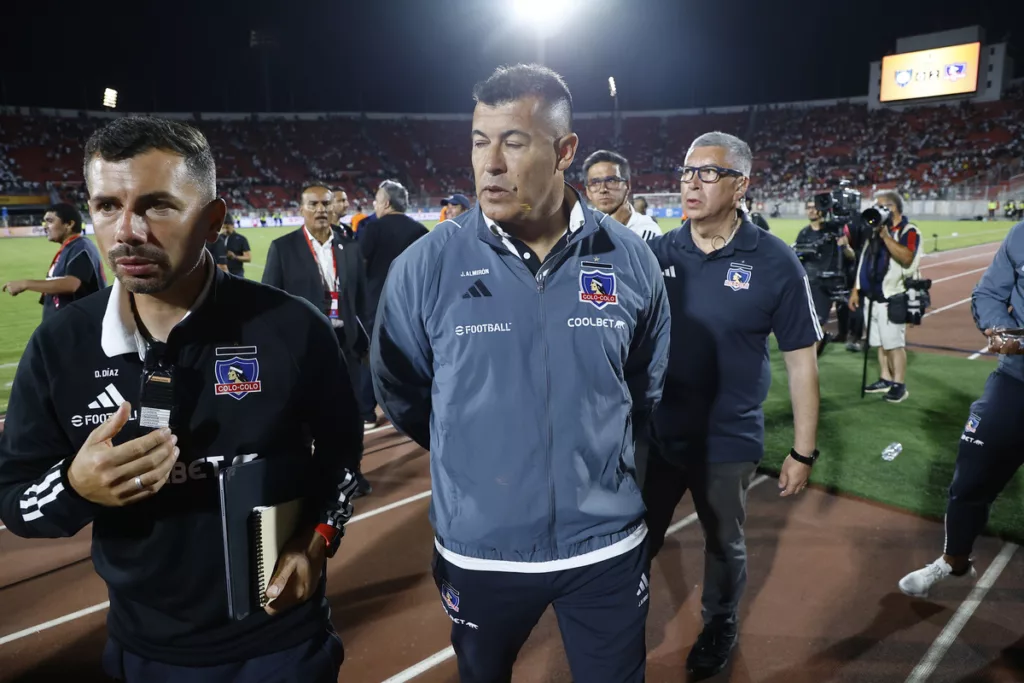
138, 483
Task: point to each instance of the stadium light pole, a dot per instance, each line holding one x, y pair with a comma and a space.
110, 98
616, 120
543, 18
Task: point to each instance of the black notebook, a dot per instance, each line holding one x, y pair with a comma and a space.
262, 505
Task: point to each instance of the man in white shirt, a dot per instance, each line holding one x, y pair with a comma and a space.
608, 186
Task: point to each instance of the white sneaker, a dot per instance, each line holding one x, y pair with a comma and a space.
917, 584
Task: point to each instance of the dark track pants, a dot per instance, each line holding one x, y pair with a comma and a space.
314, 661
991, 450
720, 496
601, 609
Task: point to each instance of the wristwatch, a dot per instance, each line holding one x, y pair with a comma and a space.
809, 461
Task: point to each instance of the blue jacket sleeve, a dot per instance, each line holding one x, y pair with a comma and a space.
648, 354
401, 359
990, 300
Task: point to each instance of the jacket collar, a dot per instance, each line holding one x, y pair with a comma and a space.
582, 221
120, 335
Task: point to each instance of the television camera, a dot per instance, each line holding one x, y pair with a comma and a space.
837, 208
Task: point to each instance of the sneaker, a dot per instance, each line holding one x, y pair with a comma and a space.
713, 648
880, 387
369, 424
363, 487
896, 393
854, 347
917, 584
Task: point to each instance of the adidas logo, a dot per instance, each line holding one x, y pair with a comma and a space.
644, 584
669, 272
110, 397
478, 289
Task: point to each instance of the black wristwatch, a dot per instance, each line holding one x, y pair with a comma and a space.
809, 461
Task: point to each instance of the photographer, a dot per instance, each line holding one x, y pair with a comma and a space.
822, 254
890, 257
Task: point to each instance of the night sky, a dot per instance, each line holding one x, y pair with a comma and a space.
424, 55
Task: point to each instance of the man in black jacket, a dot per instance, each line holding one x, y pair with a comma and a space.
382, 241
245, 372
316, 263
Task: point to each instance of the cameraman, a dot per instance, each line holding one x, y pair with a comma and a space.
890, 257
820, 254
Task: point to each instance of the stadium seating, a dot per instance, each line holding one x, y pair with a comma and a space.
931, 152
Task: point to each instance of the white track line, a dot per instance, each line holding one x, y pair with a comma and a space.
940, 254
978, 353
447, 653
964, 274
956, 260
947, 307
937, 651
103, 605
55, 622
390, 506
8, 365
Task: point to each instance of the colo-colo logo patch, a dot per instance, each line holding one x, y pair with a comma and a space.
597, 285
237, 371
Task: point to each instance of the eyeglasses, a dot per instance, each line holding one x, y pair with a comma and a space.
707, 174
612, 182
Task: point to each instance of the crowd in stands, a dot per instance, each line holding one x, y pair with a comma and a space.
926, 152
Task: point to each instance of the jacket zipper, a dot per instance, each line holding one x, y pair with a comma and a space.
542, 276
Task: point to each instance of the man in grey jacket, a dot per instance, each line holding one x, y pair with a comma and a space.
525, 345
991, 444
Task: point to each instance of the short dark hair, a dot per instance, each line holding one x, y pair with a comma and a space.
130, 136
67, 214
606, 156
511, 83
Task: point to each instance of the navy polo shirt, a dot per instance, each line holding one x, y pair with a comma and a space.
724, 305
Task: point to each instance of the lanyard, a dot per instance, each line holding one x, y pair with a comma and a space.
57, 255
316, 257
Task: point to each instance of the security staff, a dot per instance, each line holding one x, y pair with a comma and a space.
515, 343
236, 248
991, 447
76, 270
247, 372
319, 265
730, 284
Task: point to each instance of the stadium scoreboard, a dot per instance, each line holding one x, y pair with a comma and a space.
936, 72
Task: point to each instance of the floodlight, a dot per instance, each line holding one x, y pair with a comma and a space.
110, 98
611, 86
545, 17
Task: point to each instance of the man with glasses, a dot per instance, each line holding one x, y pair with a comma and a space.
730, 284
608, 188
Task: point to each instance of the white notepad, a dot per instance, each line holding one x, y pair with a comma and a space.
273, 526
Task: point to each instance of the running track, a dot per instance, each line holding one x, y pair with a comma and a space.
821, 602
